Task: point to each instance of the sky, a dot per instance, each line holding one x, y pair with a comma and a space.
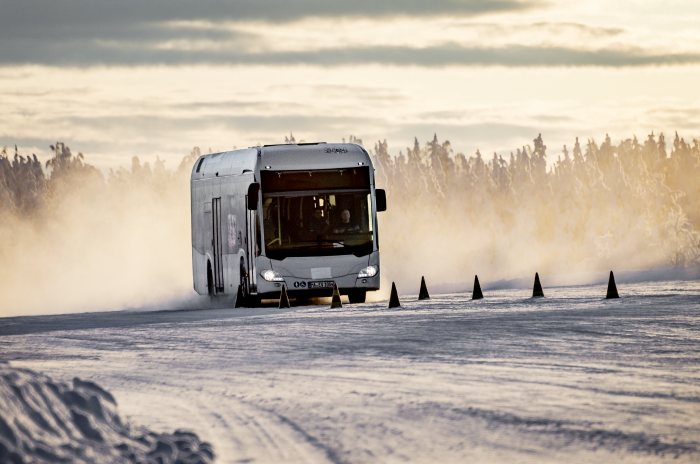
157, 78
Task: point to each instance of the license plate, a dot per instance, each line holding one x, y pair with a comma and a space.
321, 284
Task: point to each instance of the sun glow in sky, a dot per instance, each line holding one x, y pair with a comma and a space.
157, 78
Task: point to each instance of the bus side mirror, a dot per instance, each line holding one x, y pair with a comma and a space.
381, 199
253, 192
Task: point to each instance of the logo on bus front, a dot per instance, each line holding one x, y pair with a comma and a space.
299, 284
336, 150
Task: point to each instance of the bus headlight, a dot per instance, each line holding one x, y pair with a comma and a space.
369, 271
272, 276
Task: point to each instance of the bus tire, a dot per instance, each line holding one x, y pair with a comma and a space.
357, 296
242, 294
243, 297
210, 280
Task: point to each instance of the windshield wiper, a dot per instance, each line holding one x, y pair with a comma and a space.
329, 240
310, 243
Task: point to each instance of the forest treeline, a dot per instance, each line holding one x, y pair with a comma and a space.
26, 184
604, 196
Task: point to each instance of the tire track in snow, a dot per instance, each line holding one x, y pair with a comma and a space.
583, 433
259, 434
330, 453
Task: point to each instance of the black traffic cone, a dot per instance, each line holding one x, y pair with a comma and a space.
284, 299
537, 288
423, 293
394, 298
335, 301
476, 293
612, 288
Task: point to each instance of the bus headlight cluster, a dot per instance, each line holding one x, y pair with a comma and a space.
272, 276
369, 271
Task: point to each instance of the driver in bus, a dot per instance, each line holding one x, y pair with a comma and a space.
345, 226
318, 224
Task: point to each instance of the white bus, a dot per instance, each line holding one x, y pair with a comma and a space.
302, 214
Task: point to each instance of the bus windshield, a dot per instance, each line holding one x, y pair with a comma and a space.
318, 223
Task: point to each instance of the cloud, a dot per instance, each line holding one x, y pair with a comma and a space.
375, 94
36, 16
135, 133
104, 32
556, 29
458, 55
163, 125
683, 117
448, 54
214, 32
466, 135
578, 27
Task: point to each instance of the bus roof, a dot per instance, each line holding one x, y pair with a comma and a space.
284, 157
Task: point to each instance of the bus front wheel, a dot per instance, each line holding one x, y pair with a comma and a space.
244, 298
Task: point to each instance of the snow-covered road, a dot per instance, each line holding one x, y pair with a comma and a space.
569, 378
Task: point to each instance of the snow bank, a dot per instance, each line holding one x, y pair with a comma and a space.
46, 421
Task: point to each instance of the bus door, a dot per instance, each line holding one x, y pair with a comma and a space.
251, 249
217, 270
252, 224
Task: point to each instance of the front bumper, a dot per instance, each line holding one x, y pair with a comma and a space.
315, 276
304, 287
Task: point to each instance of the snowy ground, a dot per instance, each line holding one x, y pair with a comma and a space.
570, 378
